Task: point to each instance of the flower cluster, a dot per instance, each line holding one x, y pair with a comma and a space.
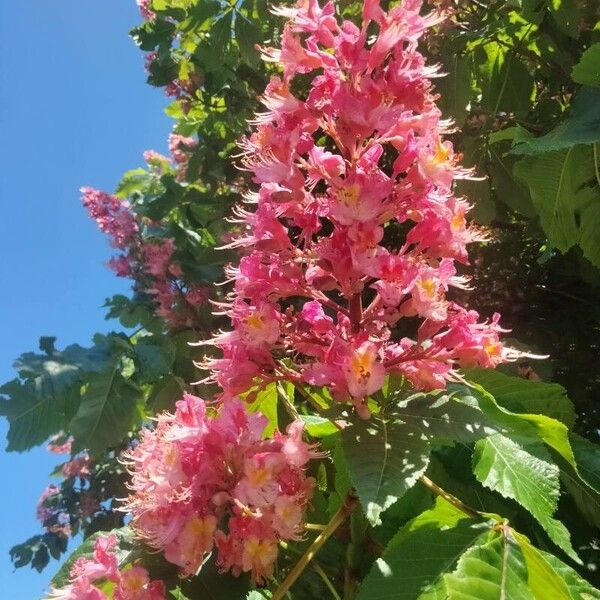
352, 247
150, 262
144, 7
89, 575
53, 508
203, 480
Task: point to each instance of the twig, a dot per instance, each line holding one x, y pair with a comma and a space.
340, 516
436, 489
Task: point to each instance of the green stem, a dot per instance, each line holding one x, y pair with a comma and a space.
340, 516
317, 567
595, 150
442, 493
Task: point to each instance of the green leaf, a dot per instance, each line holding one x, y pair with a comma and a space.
508, 190
581, 126
504, 466
543, 581
556, 183
318, 427
579, 589
247, 35
34, 414
153, 360
210, 584
584, 485
590, 221
165, 393
529, 427
385, 457
108, 411
266, 404
587, 70
505, 82
522, 395
444, 417
455, 87
489, 571
133, 180
566, 16
419, 555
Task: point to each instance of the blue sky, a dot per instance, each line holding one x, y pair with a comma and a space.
74, 110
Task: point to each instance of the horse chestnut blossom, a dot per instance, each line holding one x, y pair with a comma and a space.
89, 575
203, 480
351, 251
149, 262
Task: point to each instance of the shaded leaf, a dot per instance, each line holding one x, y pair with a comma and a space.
566, 16
455, 87
385, 457
581, 126
555, 182
247, 35
587, 70
153, 359
108, 411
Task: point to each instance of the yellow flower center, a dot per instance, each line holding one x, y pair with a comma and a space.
349, 195
361, 363
457, 222
135, 582
258, 476
441, 154
429, 286
255, 321
492, 348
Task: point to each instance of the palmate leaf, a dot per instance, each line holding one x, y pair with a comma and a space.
530, 478
387, 454
584, 487
543, 581
579, 589
587, 70
532, 429
33, 416
444, 417
108, 411
556, 182
419, 555
46, 398
445, 555
489, 571
385, 457
581, 126
522, 395
526, 426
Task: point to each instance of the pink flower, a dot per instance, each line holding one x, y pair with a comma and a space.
43, 512
197, 473
112, 215
355, 226
145, 11
79, 466
88, 576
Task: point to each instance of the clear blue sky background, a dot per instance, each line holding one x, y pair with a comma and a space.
74, 110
